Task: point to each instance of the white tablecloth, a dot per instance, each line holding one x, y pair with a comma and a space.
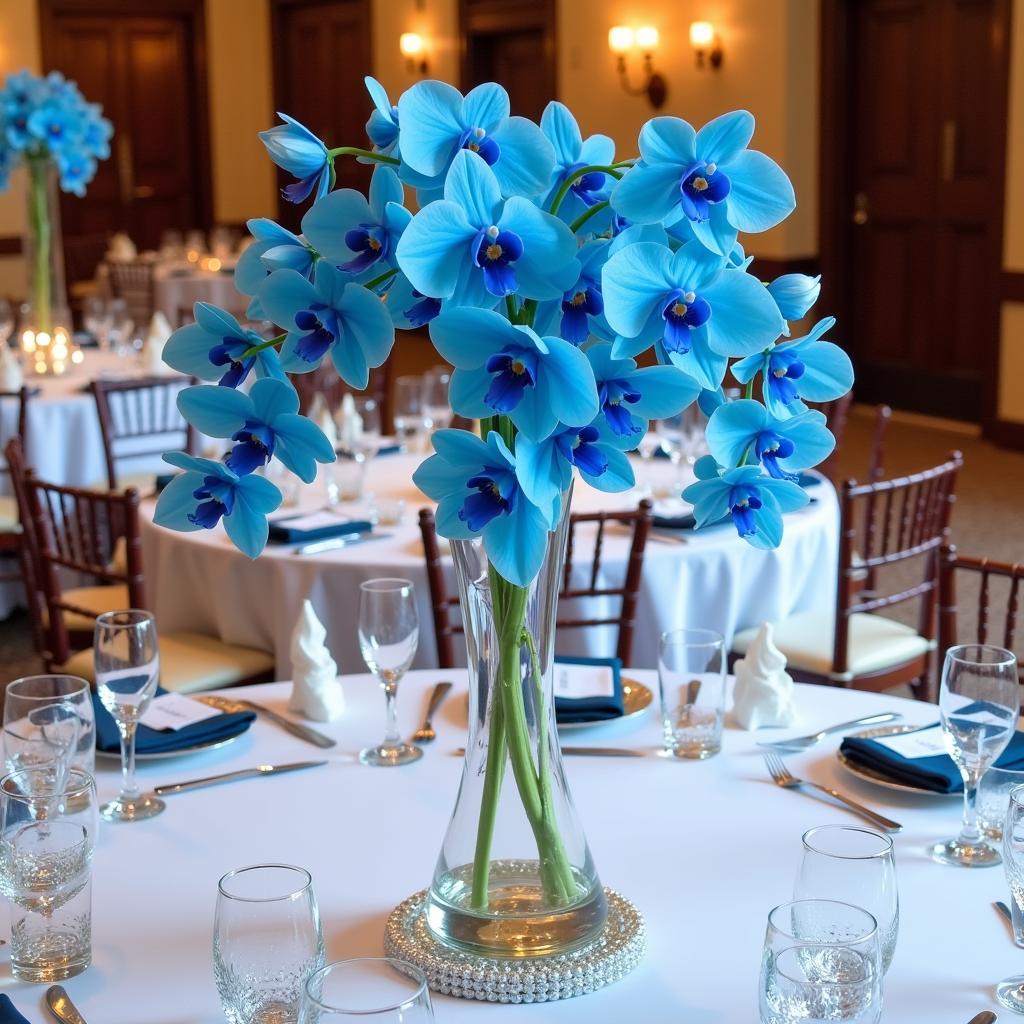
198, 581
177, 289
704, 849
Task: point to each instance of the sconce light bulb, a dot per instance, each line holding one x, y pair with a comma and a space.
411, 44
620, 39
702, 34
647, 38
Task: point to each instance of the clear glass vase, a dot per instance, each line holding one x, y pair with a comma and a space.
515, 877
43, 249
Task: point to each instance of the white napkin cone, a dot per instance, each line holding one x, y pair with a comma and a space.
320, 414
153, 351
316, 690
764, 689
121, 248
350, 423
12, 375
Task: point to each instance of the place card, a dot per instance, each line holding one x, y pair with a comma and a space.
173, 711
927, 742
305, 523
576, 682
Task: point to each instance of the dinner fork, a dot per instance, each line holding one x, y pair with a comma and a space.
783, 777
425, 733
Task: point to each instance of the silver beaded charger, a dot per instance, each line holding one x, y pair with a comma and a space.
612, 955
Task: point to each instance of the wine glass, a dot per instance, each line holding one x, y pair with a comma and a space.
23, 702
437, 410
856, 866
649, 444
267, 940
1010, 992
388, 635
96, 318
127, 670
378, 988
121, 327
979, 705
409, 418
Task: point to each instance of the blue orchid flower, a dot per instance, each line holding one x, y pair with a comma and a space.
409, 308
293, 147
382, 127
6, 166
701, 310
438, 122
737, 430
572, 153
330, 314
630, 396
805, 368
264, 424
273, 248
508, 369
472, 247
76, 169
214, 347
709, 177
794, 294
579, 313
544, 468
754, 502
478, 494
54, 124
96, 132
208, 493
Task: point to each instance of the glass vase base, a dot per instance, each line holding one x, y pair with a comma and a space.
390, 756
145, 806
965, 855
1010, 993
612, 954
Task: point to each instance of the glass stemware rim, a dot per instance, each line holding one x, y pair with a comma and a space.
866, 936
700, 638
85, 783
409, 970
887, 843
1016, 794
1002, 656
138, 615
235, 872
83, 688
386, 584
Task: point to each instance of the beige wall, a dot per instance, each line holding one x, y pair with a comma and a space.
437, 23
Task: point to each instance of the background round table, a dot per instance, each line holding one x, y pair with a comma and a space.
713, 579
704, 850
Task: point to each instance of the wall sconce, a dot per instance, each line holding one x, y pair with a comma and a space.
705, 42
414, 50
621, 40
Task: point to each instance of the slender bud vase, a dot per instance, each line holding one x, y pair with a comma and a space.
515, 877
44, 256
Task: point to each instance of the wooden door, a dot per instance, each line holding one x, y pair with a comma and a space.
147, 71
321, 54
923, 139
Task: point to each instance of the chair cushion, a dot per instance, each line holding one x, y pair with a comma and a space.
9, 522
190, 663
875, 643
96, 600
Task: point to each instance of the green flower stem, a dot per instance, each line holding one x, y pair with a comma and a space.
39, 224
587, 214
494, 775
749, 390
255, 349
366, 154
563, 190
381, 278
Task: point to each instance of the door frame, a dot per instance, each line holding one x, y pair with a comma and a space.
835, 189
489, 17
194, 11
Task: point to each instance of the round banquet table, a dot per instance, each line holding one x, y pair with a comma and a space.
704, 850
713, 579
177, 287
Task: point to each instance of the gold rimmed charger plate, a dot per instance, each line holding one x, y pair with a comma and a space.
636, 699
877, 778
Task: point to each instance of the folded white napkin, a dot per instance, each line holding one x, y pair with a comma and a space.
121, 248
12, 375
764, 689
350, 423
156, 338
316, 690
320, 414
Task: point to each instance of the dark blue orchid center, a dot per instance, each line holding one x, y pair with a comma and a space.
423, 311
611, 394
515, 370
495, 492
784, 369
683, 312
587, 186
496, 251
217, 499
579, 447
745, 500
577, 304
370, 241
701, 186
254, 448
318, 337
769, 447
299, 190
228, 353
476, 140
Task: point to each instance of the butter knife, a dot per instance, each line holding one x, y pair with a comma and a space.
242, 773
304, 732
61, 1006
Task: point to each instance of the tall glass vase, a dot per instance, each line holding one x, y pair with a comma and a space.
515, 877
43, 249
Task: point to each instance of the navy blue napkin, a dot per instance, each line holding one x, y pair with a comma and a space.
8, 1013
281, 533
577, 710
938, 774
159, 741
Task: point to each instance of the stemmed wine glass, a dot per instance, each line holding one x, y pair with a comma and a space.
96, 318
979, 706
127, 670
388, 635
1010, 992
409, 420
436, 406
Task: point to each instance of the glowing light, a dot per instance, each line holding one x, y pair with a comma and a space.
77, 356
702, 34
411, 44
620, 39
647, 38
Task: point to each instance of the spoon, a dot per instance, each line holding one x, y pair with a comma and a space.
61, 1006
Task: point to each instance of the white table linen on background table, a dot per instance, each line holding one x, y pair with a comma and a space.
198, 581
704, 849
176, 289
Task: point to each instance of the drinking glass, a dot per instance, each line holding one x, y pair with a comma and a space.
691, 683
436, 406
127, 670
649, 444
378, 988
409, 419
856, 866
267, 941
388, 635
979, 707
25, 738
121, 326
820, 963
994, 799
47, 837
1010, 992
96, 318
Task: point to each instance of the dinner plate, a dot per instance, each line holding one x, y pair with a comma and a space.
636, 699
163, 755
877, 778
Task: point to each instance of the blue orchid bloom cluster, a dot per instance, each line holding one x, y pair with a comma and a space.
577, 296
49, 117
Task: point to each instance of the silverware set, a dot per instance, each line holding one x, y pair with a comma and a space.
806, 742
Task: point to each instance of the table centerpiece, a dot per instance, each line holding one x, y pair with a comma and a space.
545, 268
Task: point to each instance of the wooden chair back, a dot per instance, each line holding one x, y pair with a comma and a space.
17, 402
836, 414
134, 281
886, 522
132, 412
443, 604
14, 453
324, 381
996, 583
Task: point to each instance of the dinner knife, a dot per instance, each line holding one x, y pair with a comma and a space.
304, 732
242, 773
